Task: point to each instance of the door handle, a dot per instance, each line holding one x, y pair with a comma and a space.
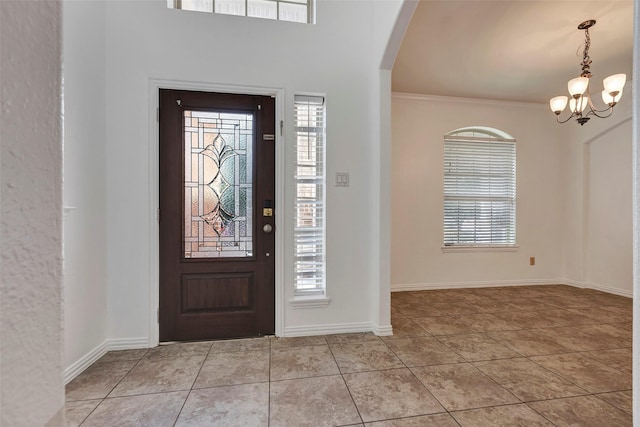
268, 228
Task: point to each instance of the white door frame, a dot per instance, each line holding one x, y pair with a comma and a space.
154, 189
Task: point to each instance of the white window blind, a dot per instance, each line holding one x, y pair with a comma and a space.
479, 189
281, 10
309, 233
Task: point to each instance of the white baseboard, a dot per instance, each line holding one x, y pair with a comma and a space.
598, 287
573, 283
383, 331
91, 357
338, 328
128, 343
458, 285
84, 362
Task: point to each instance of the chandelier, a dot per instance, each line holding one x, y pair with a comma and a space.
580, 103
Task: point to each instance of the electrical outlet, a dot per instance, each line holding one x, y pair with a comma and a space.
532, 260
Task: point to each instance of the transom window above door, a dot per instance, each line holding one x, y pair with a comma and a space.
280, 10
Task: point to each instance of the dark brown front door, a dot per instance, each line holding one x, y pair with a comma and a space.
217, 194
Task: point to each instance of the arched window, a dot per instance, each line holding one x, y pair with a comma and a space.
479, 188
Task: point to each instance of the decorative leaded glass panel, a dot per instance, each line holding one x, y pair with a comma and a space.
218, 188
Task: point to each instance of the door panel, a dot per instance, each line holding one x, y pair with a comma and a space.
217, 173
217, 291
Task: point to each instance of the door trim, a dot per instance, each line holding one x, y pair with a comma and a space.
154, 188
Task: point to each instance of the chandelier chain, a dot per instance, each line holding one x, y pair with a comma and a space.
586, 60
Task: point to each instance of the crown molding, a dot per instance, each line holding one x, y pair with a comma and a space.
438, 98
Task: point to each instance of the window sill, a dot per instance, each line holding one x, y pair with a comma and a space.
314, 301
477, 248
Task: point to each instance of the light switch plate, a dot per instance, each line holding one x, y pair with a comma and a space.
342, 179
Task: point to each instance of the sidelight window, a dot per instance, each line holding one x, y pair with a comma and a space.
309, 231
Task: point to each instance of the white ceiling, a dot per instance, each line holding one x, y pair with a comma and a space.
511, 50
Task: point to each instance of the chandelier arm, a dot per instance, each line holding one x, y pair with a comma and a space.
594, 110
606, 110
565, 121
595, 113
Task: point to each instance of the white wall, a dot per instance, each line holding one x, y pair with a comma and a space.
418, 127
598, 215
388, 37
85, 240
609, 224
574, 213
32, 392
333, 57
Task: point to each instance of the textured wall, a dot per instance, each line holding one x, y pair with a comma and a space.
31, 313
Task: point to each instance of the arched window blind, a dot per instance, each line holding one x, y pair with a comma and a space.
479, 188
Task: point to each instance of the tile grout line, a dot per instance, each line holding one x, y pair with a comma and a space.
111, 390
269, 386
447, 411
123, 377
450, 412
192, 384
89, 414
565, 377
344, 381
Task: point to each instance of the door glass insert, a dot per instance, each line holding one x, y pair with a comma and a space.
218, 188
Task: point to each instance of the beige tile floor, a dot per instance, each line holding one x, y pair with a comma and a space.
518, 356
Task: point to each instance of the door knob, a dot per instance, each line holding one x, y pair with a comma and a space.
267, 228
